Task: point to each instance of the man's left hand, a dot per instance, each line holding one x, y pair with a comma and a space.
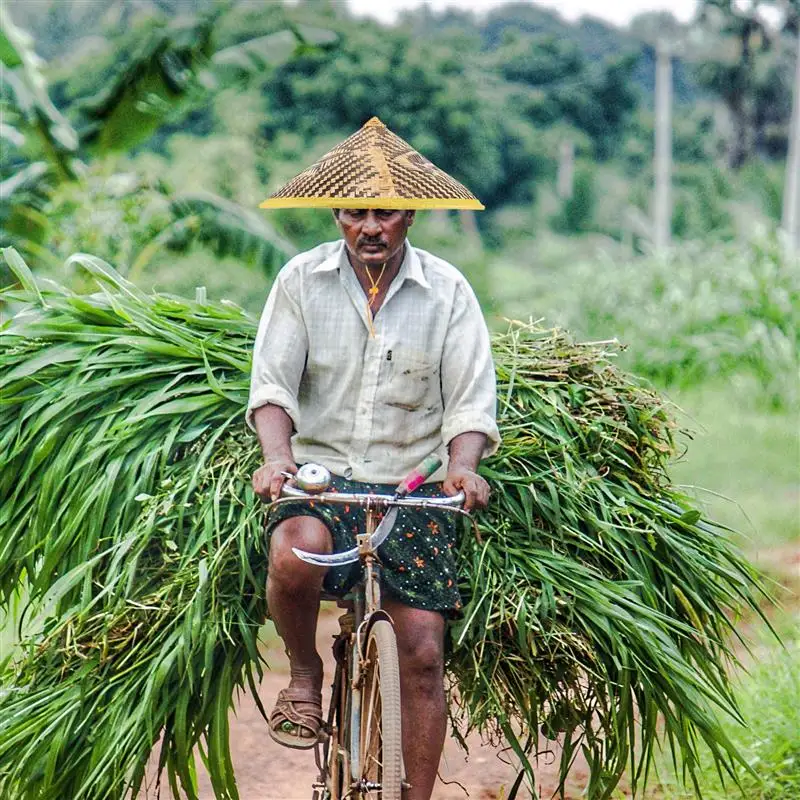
475, 488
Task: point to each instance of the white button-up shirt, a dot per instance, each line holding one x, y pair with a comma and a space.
369, 402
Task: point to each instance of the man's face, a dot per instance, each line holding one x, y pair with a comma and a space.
374, 235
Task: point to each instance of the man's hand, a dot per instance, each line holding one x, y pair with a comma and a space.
475, 488
268, 479
274, 428
465, 454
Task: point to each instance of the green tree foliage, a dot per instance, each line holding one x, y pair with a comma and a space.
423, 92
479, 118
554, 83
750, 68
157, 77
263, 89
37, 143
148, 87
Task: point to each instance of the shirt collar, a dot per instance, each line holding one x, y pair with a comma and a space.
333, 261
410, 269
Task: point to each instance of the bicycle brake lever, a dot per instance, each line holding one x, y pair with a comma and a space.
349, 556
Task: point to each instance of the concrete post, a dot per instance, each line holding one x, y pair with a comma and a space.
662, 190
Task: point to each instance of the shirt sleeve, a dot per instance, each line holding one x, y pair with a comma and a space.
279, 355
469, 384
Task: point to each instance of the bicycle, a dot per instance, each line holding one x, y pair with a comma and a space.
359, 750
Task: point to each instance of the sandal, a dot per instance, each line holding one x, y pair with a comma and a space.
292, 727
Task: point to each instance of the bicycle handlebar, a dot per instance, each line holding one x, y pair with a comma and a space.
390, 502
381, 500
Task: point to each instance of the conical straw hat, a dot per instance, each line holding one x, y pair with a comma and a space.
373, 168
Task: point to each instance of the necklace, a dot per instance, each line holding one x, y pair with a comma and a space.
374, 288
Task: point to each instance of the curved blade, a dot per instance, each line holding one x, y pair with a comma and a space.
323, 560
349, 556
384, 529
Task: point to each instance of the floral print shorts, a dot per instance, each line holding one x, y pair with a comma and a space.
418, 558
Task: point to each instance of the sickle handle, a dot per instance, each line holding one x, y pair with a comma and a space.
419, 474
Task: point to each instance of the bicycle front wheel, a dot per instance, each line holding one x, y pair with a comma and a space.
381, 758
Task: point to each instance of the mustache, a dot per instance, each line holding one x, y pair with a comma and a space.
367, 241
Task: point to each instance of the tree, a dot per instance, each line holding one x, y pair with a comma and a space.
421, 90
156, 80
555, 84
38, 143
744, 70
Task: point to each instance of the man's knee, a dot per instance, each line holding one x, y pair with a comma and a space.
420, 641
305, 533
424, 659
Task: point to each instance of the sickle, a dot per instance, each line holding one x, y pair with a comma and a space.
349, 556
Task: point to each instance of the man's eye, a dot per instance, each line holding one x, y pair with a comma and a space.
384, 213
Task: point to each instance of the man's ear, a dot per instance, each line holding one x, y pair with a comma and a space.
335, 212
411, 216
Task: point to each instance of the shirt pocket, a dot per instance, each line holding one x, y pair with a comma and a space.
413, 376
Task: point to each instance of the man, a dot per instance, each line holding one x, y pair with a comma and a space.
370, 355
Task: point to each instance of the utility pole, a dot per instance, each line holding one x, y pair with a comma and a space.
791, 187
662, 199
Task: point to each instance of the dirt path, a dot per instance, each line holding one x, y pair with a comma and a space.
267, 771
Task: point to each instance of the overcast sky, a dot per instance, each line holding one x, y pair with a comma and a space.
616, 11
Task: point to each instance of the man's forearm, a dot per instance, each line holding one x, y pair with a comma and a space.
466, 450
274, 430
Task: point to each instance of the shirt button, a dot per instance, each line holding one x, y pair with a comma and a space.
348, 473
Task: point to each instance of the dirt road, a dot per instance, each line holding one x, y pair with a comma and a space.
266, 771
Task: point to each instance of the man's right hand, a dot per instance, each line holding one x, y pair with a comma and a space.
268, 479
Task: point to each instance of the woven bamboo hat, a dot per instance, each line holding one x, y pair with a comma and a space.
373, 168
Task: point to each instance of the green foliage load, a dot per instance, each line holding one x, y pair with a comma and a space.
598, 602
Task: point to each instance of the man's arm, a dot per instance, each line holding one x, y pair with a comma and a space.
274, 430
279, 356
469, 425
465, 452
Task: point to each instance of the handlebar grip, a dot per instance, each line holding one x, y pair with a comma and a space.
419, 474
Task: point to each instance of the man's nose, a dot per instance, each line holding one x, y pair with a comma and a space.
372, 224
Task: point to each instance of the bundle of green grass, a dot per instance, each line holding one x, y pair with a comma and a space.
598, 602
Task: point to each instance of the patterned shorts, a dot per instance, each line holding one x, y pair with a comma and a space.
418, 558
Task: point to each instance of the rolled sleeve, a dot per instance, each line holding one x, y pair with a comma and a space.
469, 384
280, 351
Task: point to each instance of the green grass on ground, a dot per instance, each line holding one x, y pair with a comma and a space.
749, 456
769, 697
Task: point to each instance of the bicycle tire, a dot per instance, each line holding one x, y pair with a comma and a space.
381, 761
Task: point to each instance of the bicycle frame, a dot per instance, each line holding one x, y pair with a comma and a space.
338, 753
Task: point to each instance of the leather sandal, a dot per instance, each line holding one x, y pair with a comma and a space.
292, 727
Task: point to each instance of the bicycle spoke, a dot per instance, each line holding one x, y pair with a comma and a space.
373, 723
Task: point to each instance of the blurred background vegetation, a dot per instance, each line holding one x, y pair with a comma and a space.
147, 131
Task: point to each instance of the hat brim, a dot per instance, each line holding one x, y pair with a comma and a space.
391, 203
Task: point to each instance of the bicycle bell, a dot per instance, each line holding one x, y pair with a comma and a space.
312, 478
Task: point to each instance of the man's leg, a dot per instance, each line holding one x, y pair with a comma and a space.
293, 592
420, 645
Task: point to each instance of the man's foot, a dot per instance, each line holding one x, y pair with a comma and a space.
296, 720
